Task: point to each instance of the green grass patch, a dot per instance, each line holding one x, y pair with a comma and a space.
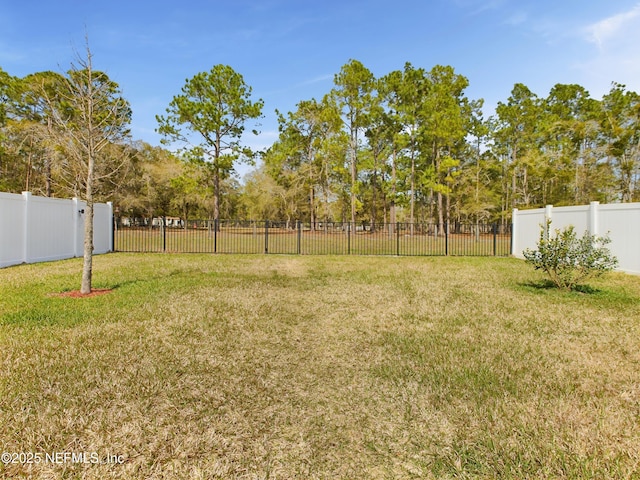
275, 366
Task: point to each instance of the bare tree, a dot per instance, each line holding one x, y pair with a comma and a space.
89, 115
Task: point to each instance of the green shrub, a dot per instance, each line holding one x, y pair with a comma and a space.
569, 260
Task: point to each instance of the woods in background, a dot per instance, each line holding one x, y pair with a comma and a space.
409, 146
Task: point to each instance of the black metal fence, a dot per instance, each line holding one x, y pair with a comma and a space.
321, 238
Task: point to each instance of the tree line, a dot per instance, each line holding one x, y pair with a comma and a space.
409, 146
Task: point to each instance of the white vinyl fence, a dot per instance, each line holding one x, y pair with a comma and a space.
620, 221
38, 229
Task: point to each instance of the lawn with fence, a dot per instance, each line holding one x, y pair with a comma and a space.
293, 366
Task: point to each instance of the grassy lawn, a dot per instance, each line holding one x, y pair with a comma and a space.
255, 367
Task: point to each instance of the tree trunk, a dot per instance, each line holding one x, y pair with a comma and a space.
47, 163
374, 186
28, 173
312, 208
440, 213
354, 175
413, 190
47, 179
392, 206
513, 179
216, 197
87, 266
439, 193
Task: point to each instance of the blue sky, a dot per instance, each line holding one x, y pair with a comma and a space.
289, 50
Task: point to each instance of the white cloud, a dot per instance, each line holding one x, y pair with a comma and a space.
476, 7
517, 19
616, 56
311, 81
613, 27
303, 83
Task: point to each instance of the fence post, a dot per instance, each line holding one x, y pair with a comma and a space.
349, 238
266, 236
164, 232
112, 229
25, 247
514, 230
495, 235
397, 239
446, 238
299, 227
593, 218
215, 235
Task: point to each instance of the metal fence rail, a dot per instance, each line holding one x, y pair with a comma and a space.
321, 238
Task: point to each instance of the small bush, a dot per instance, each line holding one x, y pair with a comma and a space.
569, 260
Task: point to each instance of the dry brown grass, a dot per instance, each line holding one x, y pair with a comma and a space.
306, 367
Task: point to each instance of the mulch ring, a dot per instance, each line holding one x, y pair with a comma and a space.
76, 293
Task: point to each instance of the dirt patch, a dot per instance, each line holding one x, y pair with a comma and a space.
76, 293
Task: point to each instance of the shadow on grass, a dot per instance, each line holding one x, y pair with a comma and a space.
549, 285
158, 277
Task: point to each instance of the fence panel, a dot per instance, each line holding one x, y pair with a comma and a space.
37, 229
240, 237
12, 229
320, 238
53, 219
324, 238
621, 221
